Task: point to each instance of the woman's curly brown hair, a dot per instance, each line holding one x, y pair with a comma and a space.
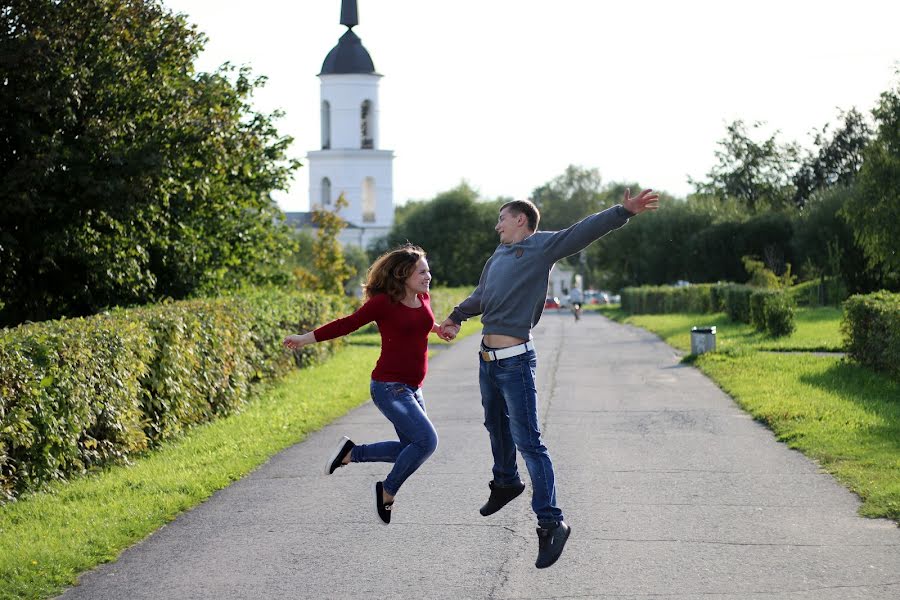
389, 272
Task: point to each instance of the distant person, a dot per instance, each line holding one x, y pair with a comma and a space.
576, 299
510, 299
397, 300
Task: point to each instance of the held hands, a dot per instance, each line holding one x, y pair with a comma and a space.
448, 330
295, 342
646, 200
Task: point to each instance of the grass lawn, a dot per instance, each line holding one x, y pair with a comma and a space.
818, 329
843, 415
47, 539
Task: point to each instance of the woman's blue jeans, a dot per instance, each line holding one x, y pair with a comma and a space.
509, 398
404, 407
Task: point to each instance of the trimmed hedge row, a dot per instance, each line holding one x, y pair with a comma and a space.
664, 299
871, 328
767, 310
827, 291
80, 392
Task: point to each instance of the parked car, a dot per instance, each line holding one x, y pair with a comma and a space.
596, 297
551, 302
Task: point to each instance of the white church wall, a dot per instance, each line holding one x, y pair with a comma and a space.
345, 94
346, 171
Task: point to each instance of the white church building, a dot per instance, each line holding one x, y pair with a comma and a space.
349, 160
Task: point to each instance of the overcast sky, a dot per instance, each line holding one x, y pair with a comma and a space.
504, 94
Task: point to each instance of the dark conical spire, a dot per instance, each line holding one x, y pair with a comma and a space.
349, 14
349, 56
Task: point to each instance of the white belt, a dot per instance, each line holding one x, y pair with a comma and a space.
489, 355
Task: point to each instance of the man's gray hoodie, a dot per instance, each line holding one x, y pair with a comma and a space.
513, 285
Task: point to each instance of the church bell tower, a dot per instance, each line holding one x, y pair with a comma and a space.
350, 160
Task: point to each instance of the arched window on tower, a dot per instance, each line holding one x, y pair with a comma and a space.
326, 192
326, 125
368, 200
365, 125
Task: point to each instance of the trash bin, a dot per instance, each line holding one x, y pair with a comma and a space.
703, 339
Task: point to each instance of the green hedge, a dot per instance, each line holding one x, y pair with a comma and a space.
871, 328
736, 301
771, 311
77, 393
668, 299
827, 291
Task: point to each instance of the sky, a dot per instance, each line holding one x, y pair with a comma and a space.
505, 94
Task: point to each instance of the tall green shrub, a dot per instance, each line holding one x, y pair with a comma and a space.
871, 328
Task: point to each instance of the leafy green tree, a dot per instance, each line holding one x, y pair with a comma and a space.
328, 255
756, 173
836, 161
455, 229
570, 197
128, 177
651, 249
824, 243
874, 211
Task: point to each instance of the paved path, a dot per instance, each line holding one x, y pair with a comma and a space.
671, 491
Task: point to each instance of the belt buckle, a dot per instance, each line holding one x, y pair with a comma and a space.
486, 355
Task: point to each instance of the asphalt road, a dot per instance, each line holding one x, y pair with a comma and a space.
671, 491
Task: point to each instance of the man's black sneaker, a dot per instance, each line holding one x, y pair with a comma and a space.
551, 541
381, 507
336, 460
500, 497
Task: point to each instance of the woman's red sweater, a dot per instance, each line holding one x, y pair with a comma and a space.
404, 336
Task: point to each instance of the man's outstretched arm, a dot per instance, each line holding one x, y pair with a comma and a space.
577, 237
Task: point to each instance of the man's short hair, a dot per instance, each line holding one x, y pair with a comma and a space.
527, 208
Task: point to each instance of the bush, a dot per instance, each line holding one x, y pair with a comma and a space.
200, 365
717, 298
778, 310
826, 291
69, 397
668, 299
871, 328
77, 393
737, 301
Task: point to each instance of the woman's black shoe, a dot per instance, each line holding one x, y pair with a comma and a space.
381, 507
336, 460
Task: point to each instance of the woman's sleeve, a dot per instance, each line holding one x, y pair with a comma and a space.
368, 312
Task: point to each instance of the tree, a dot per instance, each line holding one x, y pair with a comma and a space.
757, 174
455, 229
127, 176
838, 159
874, 211
328, 256
824, 244
569, 198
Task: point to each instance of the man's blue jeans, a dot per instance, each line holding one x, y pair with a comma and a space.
404, 407
509, 398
